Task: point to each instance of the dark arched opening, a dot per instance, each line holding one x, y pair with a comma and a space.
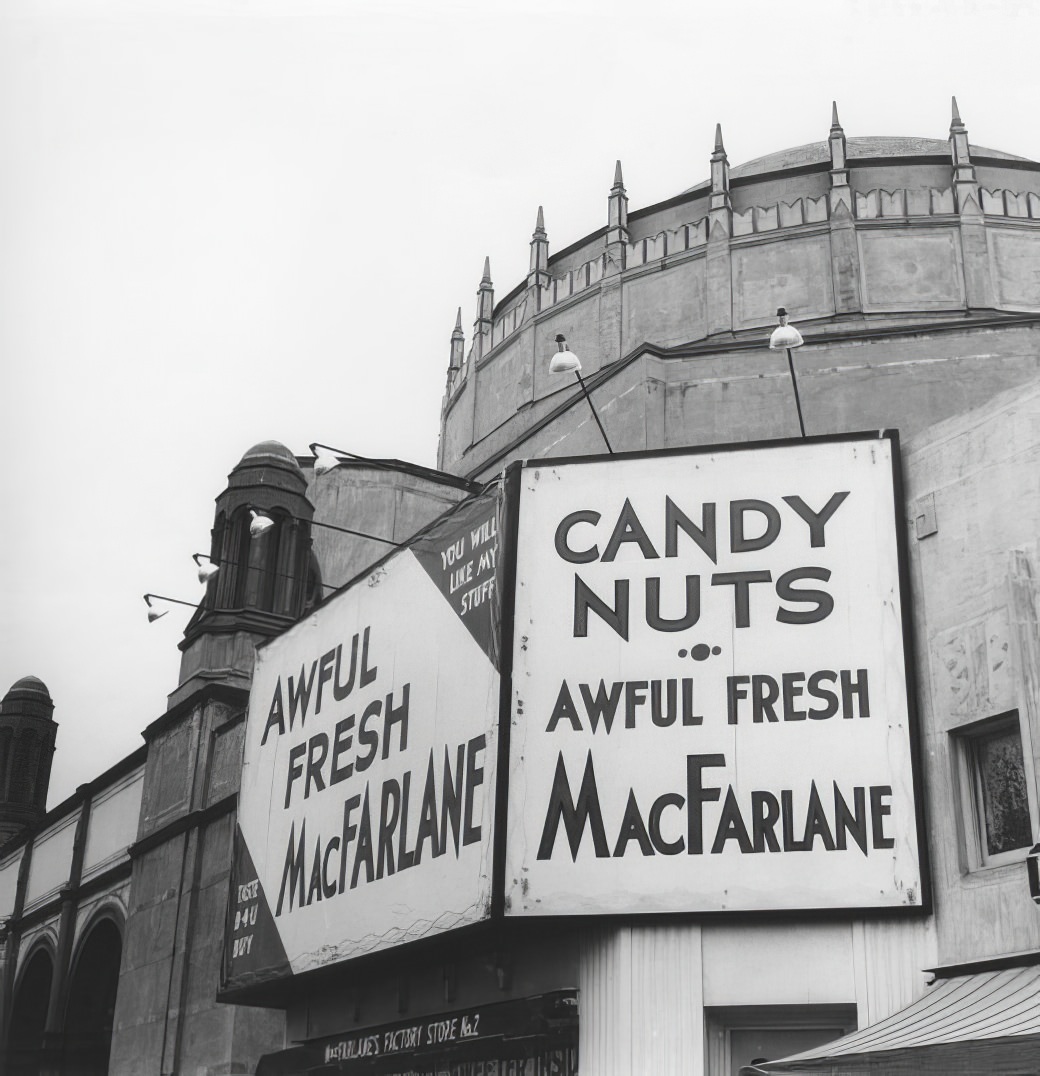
91, 1006
29, 1016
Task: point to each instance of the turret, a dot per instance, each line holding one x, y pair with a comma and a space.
27, 734
266, 581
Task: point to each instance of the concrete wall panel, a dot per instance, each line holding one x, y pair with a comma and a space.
666, 306
112, 827
905, 270
1015, 268
51, 861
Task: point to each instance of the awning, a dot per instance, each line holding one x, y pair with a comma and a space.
987, 1022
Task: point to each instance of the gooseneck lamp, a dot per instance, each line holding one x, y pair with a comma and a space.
784, 338
566, 362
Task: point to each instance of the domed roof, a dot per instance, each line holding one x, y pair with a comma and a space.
269, 452
28, 696
29, 685
869, 148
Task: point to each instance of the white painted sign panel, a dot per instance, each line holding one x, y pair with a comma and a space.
366, 811
710, 707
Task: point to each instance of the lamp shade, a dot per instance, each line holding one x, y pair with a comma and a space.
785, 336
260, 524
564, 361
207, 571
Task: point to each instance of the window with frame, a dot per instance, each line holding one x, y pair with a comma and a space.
994, 784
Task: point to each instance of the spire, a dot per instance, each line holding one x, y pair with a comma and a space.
965, 184
719, 173
538, 272
839, 166
485, 312
617, 223
457, 355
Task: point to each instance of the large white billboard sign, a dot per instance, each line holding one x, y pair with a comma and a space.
710, 706
366, 811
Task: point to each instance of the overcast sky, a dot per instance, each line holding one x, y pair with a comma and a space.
223, 221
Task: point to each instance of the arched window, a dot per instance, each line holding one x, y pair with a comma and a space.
29, 1016
91, 1006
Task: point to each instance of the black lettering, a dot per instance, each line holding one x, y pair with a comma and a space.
563, 550
696, 796
474, 777
632, 829
731, 826
293, 870
785, 591
603, 707
816, 520
741, 582
653, 605
629, 529
854, 822
738, 540
666, 848
676, 520
878, 810
854, 688
275, 716
818, 691
368, 737
615, 616
564, 710
341, 743
575, 817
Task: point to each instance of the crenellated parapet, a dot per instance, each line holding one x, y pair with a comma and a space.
835, 231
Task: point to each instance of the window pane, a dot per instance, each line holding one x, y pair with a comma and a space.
1003, 780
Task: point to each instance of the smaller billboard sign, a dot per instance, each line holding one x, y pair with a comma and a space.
710, 700
366, 809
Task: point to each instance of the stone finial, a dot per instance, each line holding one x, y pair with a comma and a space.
458, 346
965, 184
719, 174
617, 223
956, 120
485, 311
836, 142
538, 271
719, 147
